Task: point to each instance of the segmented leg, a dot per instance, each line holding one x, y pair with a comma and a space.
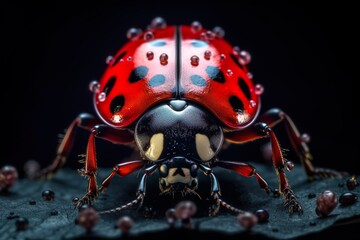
85, 121
276, 116
139, 199
245, 170
122, 169
215, 194
261, 130
110, 134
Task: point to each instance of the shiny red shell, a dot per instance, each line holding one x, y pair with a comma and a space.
177, 63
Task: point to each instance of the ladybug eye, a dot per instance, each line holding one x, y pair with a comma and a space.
155, 147
203, 147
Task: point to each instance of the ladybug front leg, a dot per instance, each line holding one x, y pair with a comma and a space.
122, 169
276, 116
105, 132
85, 121
216, 193
261, 130
245, 170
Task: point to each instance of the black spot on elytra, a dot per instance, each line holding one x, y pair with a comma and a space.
198, 80
157, 80
244, 88
236, 104
121, 55
138, 74
109, 85
215, 74
236, 61
117, 104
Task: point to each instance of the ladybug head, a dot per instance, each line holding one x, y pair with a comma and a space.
178, 136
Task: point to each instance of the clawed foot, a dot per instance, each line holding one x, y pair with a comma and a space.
87, 199
291, 202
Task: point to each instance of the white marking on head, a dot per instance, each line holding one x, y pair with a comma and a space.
170, 179
203, 147
156, 146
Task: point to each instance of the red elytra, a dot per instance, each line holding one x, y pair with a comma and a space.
177, 63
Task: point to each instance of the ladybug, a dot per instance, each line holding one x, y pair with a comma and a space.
180, 92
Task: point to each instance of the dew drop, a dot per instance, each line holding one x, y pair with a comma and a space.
94, 86
203, 36
129, 58
305, 138
48, 195
262, 215
236, 51
207, 54
347, 199
22, 224
8, 177
102, 97
244, 57
125, 223
185, 209
252, 103
259, 89
194, 60
311, 195
75, 201
222, 56
210, 35
148, 36
133, 33
88, 218
247, 220
219, 32
289, 165
163, 59
54, 213
326, 203
250, 75
276, 192
109, 60
229, 72
158, 23
196, 26
150, 55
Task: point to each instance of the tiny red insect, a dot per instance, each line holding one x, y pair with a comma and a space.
179, 92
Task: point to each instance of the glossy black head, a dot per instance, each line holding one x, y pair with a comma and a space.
182, 135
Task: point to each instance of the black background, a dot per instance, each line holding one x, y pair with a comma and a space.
302, 53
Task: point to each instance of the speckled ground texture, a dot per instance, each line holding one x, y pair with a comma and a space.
149, 219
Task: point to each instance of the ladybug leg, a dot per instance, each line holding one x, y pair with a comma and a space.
275, 116
85, 121
245, 170
122, 169
140, 193
216, 193
262, 130
104, 132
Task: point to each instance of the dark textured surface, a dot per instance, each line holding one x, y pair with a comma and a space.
240, 191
